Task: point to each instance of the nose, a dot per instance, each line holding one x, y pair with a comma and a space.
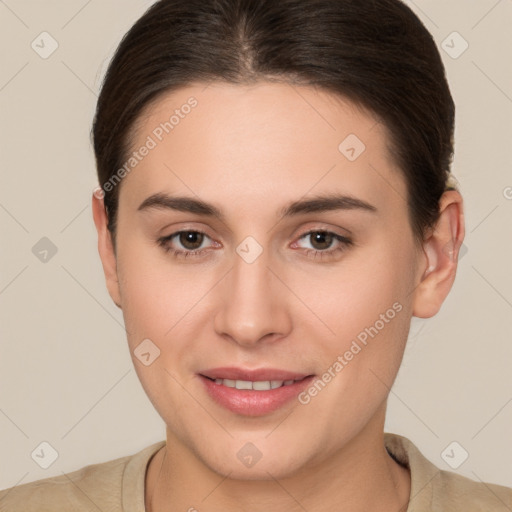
253, 308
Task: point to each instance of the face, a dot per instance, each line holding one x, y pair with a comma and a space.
268, 266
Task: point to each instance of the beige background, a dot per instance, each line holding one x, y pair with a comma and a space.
65, 372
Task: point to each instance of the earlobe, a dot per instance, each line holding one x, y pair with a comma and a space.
106, 249
440, 251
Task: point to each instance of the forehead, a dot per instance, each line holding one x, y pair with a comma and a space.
254, 143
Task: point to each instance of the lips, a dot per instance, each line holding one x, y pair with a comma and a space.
253, 392
261, 374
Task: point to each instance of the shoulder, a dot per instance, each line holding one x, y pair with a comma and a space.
94, 487
452, 490
436, 489
95, 484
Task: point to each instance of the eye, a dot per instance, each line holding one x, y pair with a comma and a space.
189, 243
324, 244
185, 243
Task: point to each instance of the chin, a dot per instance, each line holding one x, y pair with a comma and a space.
248, 462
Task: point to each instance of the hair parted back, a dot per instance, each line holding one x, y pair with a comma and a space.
375, 53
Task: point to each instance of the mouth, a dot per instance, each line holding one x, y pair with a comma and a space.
253, 392
259, 385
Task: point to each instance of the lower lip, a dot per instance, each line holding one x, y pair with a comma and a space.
250, 402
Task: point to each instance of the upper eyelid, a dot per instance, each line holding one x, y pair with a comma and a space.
314, 227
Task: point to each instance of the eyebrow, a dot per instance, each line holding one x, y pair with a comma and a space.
316, 204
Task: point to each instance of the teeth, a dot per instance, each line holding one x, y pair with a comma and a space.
243, 384
262, 385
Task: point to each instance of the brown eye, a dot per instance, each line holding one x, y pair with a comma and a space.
323, 245
321, 240
187, 243
191, 240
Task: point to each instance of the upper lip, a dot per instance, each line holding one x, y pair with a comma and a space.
259, 374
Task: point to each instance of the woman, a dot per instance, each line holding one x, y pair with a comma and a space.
274, 207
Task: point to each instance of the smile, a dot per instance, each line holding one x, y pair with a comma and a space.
261, 385
254, 397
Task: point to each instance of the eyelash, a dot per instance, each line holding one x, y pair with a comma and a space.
310, 253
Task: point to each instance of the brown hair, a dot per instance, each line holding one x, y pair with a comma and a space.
376, 53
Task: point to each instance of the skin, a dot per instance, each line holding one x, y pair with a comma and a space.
250, 151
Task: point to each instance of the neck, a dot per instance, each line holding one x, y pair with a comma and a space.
359, 476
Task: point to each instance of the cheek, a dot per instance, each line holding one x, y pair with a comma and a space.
153, 292
366, 305
156, 299
351, 296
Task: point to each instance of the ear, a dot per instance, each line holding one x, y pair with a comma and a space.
105, 246
441, 250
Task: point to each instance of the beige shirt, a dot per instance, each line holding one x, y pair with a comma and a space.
118, 486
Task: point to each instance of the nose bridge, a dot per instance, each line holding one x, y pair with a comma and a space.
254, 305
